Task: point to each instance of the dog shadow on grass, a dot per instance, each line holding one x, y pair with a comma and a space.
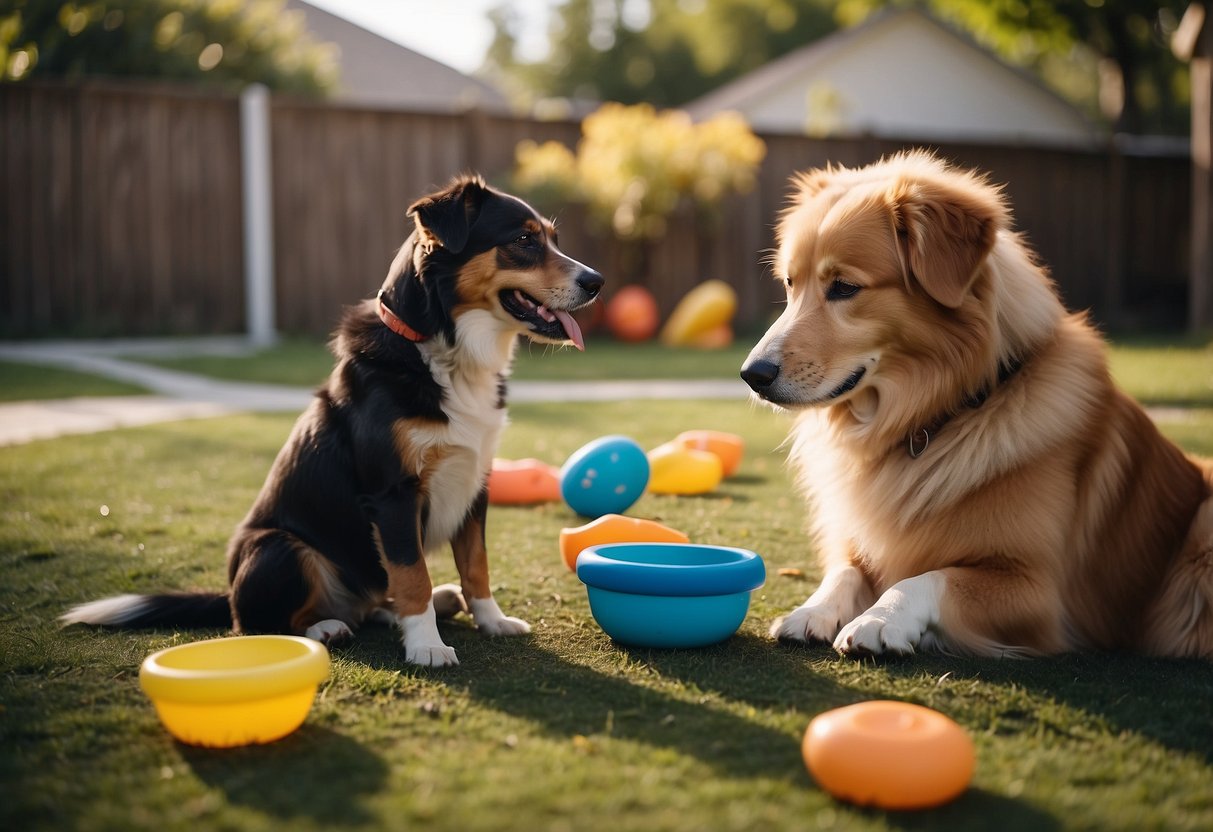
726, 705
567, 698
1163, 700
294, 777
757, 673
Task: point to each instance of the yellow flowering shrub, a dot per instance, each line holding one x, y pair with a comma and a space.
636, 165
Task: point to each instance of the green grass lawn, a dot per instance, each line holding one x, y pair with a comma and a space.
307, 362
560, 730
23, 382
1173, 370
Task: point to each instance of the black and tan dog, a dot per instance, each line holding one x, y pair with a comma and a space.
390, 460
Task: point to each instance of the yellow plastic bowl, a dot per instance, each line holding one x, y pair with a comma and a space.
235, 691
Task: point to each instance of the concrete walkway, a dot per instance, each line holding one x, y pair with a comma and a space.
176, 395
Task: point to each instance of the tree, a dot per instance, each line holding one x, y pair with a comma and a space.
664, 52
668, 52
221, 42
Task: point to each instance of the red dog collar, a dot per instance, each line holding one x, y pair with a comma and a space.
392, 321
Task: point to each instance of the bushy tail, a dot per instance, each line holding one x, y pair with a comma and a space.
185, 610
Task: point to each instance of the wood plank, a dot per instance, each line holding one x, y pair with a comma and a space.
122, 211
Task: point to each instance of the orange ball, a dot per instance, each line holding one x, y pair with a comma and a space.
631, 314
893, 755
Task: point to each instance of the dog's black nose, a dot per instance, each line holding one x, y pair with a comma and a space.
759, 374
590, 282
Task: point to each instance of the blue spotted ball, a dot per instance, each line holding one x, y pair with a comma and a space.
604, 476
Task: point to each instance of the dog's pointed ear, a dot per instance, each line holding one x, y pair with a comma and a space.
447, 217
945, 229
807, 184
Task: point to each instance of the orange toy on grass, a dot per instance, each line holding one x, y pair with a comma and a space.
631, 314
522, 482
614, 528
889, 754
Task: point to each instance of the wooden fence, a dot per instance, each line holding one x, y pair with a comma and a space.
120, 211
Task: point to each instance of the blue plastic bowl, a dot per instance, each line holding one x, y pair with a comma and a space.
669, 594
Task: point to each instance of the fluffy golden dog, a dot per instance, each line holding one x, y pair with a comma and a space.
977, 483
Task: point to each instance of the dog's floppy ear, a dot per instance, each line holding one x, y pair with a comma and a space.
448, 216
944, 231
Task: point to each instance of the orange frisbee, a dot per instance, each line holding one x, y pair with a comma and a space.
519, 482
614, 528
892, 755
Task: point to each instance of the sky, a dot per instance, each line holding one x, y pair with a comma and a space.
456, 32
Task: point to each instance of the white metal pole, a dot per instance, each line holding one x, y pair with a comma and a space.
258, 214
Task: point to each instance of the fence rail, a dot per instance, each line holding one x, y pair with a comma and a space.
121, 211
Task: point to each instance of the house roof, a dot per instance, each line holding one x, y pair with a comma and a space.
821, 53
381, 72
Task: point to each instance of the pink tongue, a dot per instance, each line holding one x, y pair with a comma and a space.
570, 328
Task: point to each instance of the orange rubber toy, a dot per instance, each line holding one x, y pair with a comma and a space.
892, 755
523, 482
614, 528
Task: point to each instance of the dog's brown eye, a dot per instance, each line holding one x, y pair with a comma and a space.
524, 239
840, 289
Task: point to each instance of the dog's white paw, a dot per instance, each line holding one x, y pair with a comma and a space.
430, 655
842, 594
807, 623
505, 626
491, 621
873, 635
329, 631
422, 644
898, 621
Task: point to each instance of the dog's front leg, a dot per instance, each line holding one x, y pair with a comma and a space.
471, 559
397, 524
844, 592
970, 610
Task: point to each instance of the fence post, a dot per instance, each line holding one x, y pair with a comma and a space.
1200, 289
256, 184
1111, 299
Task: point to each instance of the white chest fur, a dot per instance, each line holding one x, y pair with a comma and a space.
456, 457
